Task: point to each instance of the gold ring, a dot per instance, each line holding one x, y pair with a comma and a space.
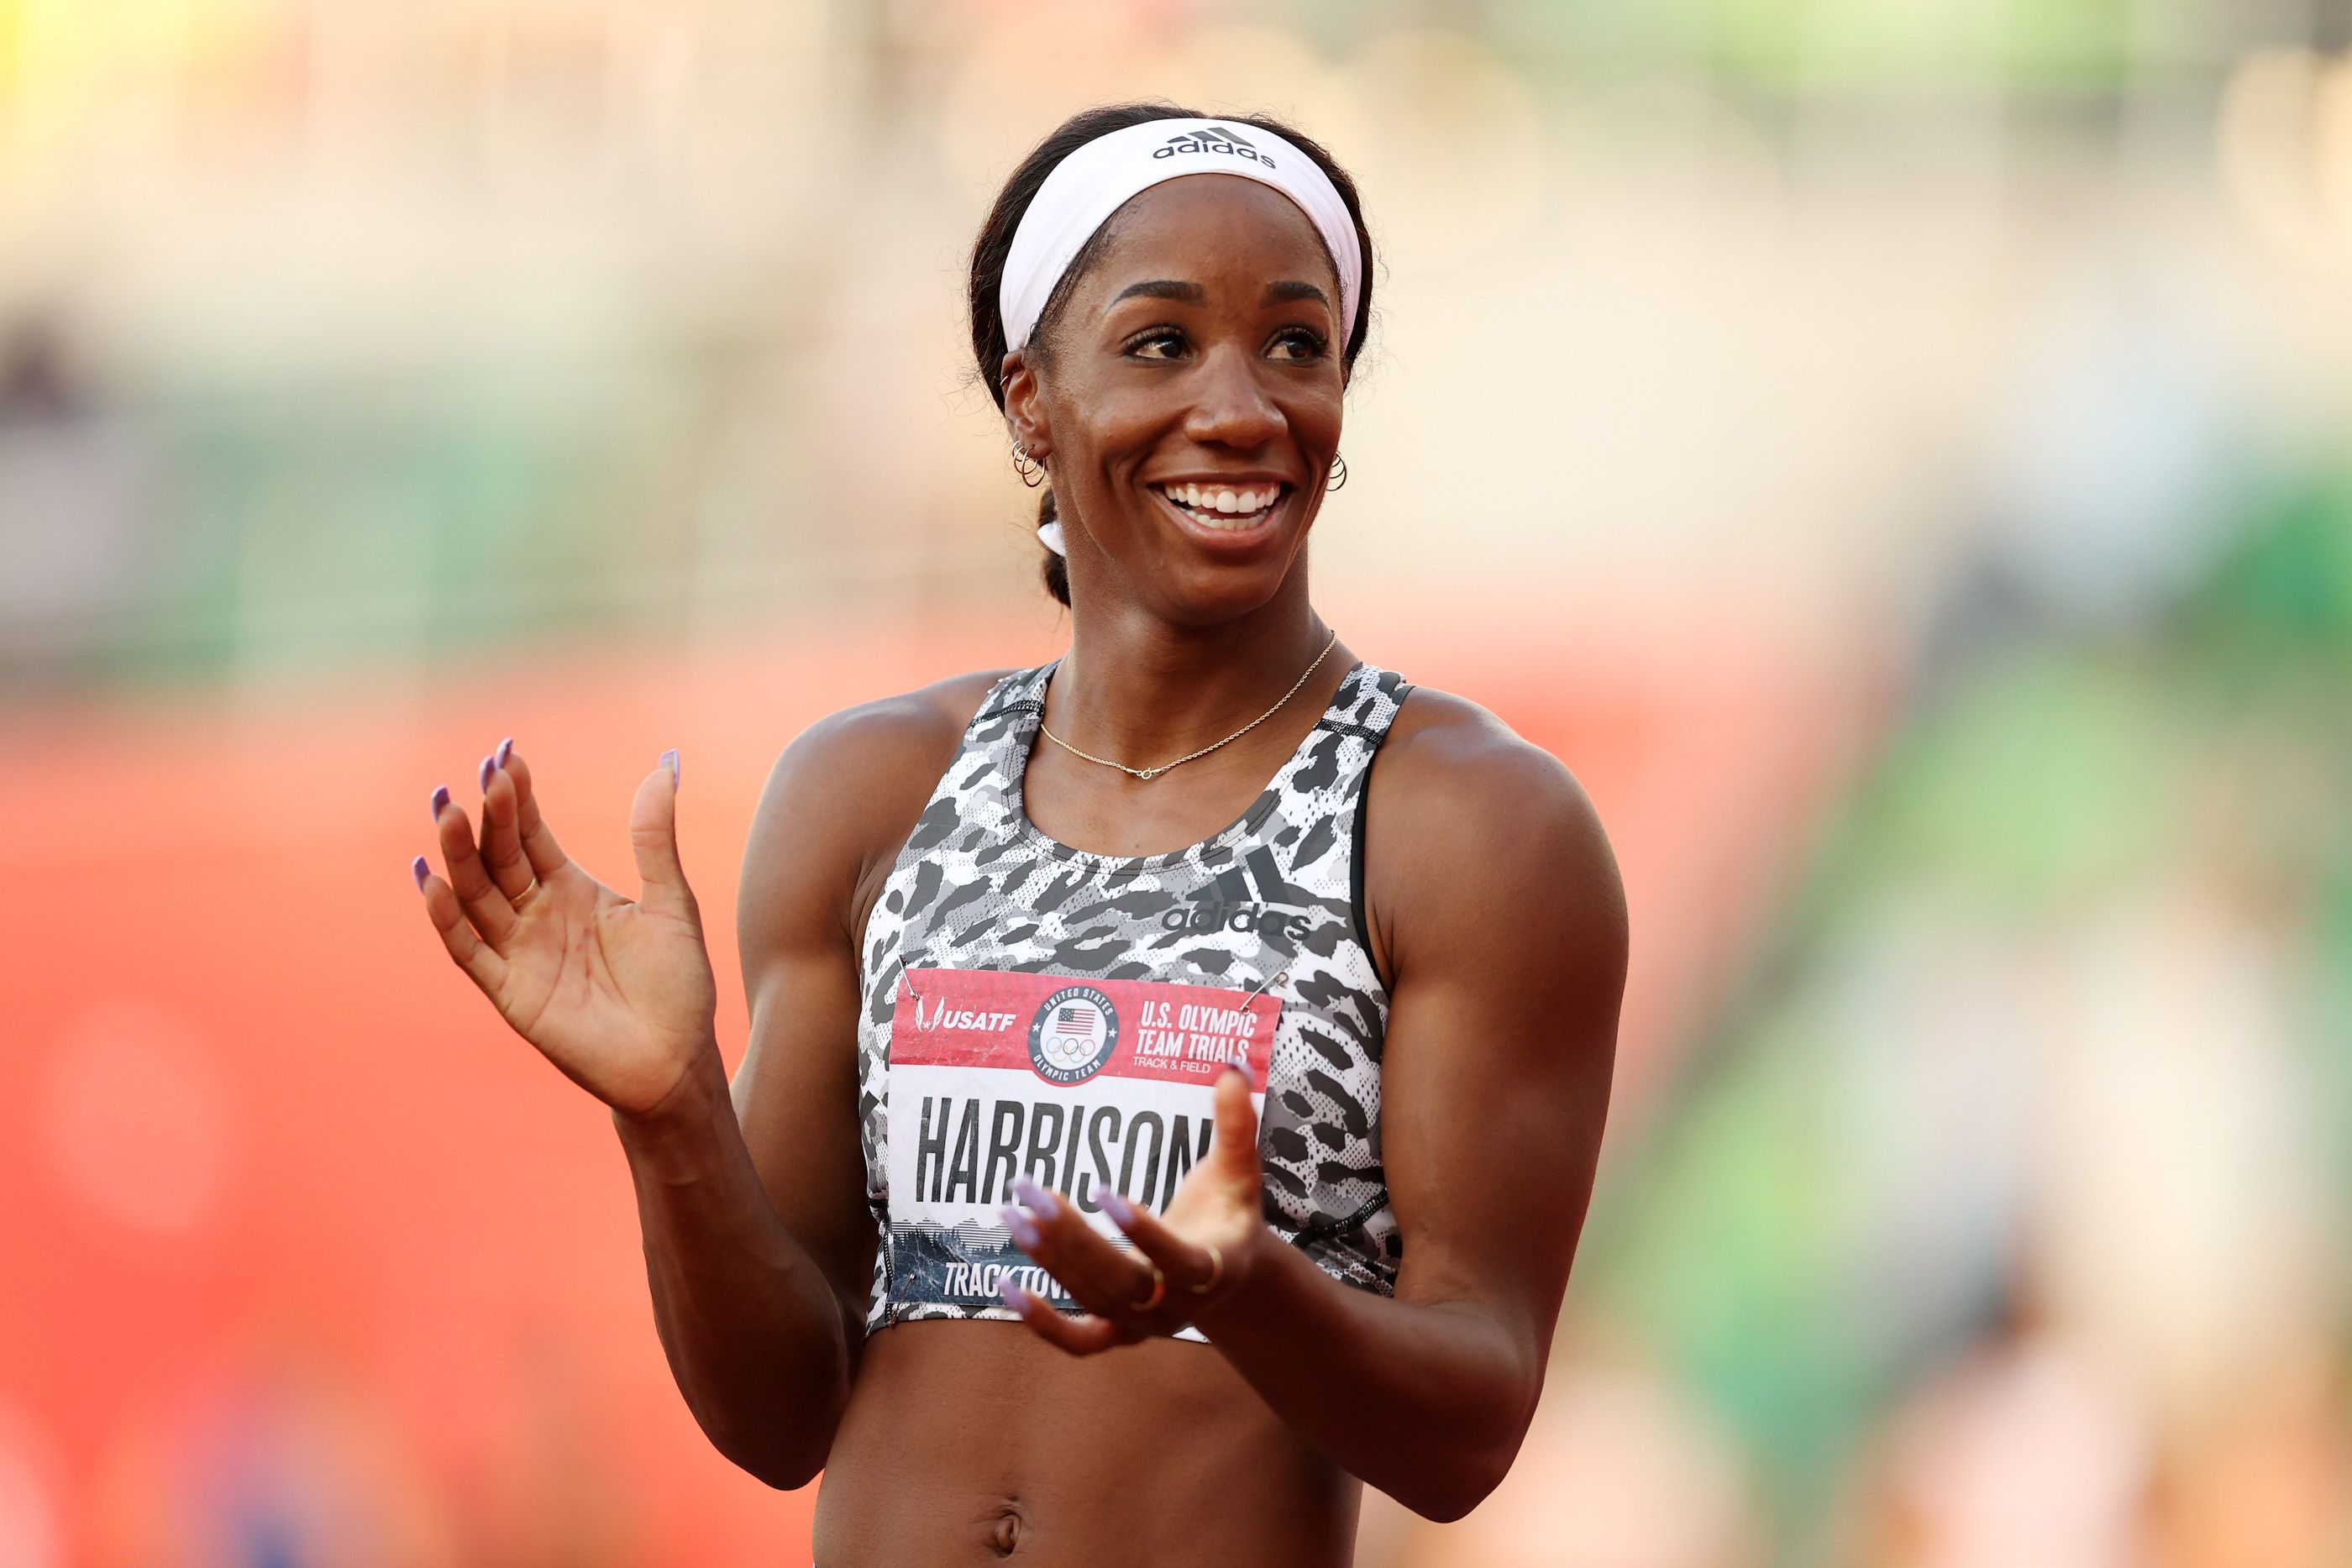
1216, 1271
1159, 1291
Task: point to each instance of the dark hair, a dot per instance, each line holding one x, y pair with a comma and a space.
996, 240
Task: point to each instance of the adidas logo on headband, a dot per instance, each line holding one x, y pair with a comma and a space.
1212, 140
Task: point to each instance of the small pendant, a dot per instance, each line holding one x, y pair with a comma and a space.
1149, 772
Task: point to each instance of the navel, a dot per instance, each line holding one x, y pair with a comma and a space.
1004, 1532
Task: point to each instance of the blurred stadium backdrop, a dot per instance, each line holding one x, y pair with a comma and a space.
1894, 451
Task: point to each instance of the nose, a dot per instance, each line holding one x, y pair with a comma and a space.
1229, 408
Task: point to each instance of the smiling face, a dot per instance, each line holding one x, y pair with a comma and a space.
1188, 402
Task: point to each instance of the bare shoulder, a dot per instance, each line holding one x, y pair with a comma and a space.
1466, 817
842, 796
1447, 758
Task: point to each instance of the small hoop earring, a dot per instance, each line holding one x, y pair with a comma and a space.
1031, 471
1341, 482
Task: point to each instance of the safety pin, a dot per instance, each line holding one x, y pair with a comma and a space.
1279, 976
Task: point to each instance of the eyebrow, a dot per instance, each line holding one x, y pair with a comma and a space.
1193, 294
1279, 293
1164, 289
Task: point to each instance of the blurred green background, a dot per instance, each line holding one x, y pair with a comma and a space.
1895, 450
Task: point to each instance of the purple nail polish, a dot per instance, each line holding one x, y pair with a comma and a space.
1035, 1197
488, 762
506, 749
418, 867
1024, 1235
440, 799
1015, 1296
1119, 1210
669, 760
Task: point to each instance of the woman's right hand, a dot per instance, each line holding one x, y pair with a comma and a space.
617, 994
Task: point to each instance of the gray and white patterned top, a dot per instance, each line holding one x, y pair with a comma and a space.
1274, 901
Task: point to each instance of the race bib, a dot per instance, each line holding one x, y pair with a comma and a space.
1085, 1086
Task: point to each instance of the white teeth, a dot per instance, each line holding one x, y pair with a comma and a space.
1213, 507
1223, 510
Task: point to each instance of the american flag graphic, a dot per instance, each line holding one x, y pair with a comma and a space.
1076, 1017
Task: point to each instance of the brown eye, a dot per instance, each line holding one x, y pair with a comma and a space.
1164, 343
1298, 344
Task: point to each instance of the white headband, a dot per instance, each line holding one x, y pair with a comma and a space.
1102, 176
1105, 174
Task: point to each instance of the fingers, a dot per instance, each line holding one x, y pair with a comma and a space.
501, 851
473, 954
1190, 1269
1234, 1147
653, 833
1079, 1337
1112, 1284
492, 916
1099, 1275
539, 845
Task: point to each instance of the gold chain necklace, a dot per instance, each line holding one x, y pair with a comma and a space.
1156, 772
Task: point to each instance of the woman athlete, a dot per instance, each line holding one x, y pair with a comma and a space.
1147, 1136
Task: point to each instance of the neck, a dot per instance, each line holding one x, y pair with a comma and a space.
1135, 687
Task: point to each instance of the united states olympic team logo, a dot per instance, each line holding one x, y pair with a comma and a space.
1073, 1035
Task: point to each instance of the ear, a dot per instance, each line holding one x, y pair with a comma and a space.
1025, 408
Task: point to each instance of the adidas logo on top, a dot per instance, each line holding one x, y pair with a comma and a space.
1211, 140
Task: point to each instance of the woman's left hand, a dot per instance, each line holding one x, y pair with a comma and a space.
1197, 1252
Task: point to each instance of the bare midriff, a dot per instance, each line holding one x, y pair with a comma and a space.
978, 1443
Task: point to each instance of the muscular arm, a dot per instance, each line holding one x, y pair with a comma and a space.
748, 1317
1507, 943
758, 1241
